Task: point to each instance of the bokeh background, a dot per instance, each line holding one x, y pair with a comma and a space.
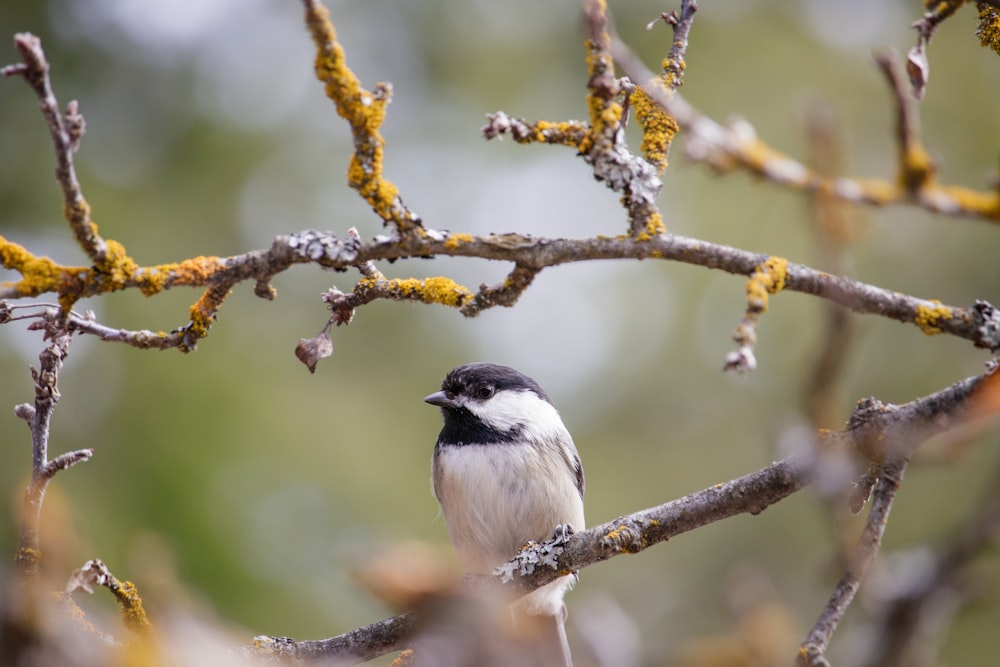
233, 480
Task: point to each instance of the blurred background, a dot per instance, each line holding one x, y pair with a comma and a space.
232, 480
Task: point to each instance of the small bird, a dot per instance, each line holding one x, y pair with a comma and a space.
506, 472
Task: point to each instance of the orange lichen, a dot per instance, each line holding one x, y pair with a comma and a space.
405, 658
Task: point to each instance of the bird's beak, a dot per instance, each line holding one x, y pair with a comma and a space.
439, 399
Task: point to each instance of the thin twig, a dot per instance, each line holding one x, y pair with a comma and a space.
605, 148
916, 169
66, 134
95, 573
46, 377
365, 111
736, 145
681, 23
935, 592
813, 649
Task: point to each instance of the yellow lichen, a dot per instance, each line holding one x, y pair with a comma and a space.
878, 192
768, 278
117, 268
202, 313
654, 227
342, 86
77, 214
133, 615
928, 317
658, 129
917, 168
365, 112
605, 114
988, 27
38, 276
454, 240
613, 534
986, 204
41, 275
443, 290
439, 289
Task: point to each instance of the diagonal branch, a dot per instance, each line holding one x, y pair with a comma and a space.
813, 649
364, 111
872, 427
633, 533
932, 595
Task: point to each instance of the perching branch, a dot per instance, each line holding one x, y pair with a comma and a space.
873, 433
633, 533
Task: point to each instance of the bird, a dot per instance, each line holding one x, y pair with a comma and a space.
505, 472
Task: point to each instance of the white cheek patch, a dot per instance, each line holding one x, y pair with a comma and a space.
509, 410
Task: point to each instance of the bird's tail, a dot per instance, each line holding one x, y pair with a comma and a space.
544, 637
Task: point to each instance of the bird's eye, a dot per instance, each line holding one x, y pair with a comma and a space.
484, 392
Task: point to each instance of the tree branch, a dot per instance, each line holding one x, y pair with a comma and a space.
813, 649
46, 377
979, 323
736, 145
871, 432
66, 132
929, 595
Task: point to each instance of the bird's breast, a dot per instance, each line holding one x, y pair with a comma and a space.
497, 497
